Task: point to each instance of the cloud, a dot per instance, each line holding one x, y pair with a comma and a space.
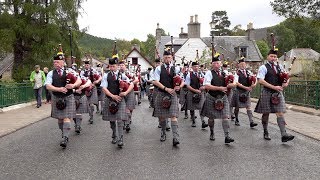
128, 19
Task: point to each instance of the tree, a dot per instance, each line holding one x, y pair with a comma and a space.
296, 8
263, 47
222, 23
238, 31
297, 32
36, 28
149, 47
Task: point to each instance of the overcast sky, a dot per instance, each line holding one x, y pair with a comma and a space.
128, 19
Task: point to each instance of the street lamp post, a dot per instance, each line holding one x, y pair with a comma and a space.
212, 26
69, 23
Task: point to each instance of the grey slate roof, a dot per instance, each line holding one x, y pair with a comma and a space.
227, 44
302, 53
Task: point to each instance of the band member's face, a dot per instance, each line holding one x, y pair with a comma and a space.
242, 65
58, 64
113, 67
122, 67
45, 70
272, 57
195, 68
216, 65
87, 66
167, 59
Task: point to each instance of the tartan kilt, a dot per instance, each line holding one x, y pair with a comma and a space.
120, 115
209, 111
264, 104
235, 102
83, 107
102, 94
194, 106
182, 96
68, 112
161, 112
130, 101
93, 99
230, 95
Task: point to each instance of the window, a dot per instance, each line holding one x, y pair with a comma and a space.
243, 51
134, 61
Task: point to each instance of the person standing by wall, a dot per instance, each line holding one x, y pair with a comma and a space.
37, 78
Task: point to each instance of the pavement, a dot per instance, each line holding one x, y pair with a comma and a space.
300, 119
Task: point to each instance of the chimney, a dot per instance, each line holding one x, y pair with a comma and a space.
194, 28
158, 35
196, 18
157, 25
191, 19
183, 35
250, 32
136, 46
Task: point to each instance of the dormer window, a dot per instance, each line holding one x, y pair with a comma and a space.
243, 51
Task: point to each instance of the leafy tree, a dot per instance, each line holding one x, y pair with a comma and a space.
35, 28
222, 23
297, 32
149, 47
238, 31
263, 47
296, 8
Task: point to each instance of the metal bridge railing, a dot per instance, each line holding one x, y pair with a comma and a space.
303, 93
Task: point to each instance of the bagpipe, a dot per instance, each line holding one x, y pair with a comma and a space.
283, 74
87, 90
71, 78
138, 75
229, 78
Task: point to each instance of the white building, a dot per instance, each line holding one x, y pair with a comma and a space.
135, 58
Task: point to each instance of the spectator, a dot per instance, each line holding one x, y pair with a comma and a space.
37, 78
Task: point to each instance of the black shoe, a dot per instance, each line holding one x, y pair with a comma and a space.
120, 142
64, 142
287, 138
168, 128
237, 123
38, 106
266, 136
91, 121
114, 140
204, 125
212, 137
175, 142
186, 117
228, 140
193, 124
77, 129
232, 118
159, 126
163, 136
139, 103
252, 124
128, 127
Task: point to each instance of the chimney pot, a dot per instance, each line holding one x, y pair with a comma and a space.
157, 25
181, 29
196, 18
191, 19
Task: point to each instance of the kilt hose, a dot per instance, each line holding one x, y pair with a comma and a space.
93, 99
235, 102
192, 105
68, 112
161, 112
264, 104
121, 114
84, 106
209, 111
130, 101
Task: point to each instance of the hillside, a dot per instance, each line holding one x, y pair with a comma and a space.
98, 47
